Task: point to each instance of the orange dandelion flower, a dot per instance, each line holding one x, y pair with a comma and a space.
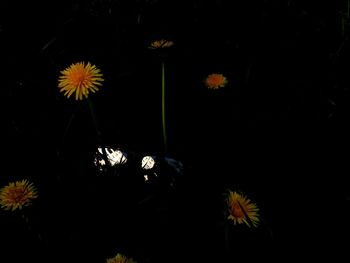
162, 43
119, 258
242, 210
81, 79
215, 81
17, 194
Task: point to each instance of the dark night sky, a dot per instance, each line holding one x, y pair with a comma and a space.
273, 131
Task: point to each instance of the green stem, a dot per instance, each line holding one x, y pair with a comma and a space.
94, 118
227, 241
98, 131
65, 133
30, 228
163, 108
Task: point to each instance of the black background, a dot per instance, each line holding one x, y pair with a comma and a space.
278, 131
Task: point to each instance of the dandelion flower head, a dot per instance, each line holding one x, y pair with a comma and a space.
162, 43
80, 78
17, 194
119, 258
242, 210
215, 81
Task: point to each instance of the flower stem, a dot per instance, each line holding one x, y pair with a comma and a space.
226, 238
163, 108
94, 118
30, 228
98, 131
65, 133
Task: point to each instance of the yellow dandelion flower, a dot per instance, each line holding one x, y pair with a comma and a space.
80, 78
242, 210
119, 258
215, 81
162, 43
16, 195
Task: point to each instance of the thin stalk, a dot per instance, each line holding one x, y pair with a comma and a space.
94, 118
30, 228
65, 133
163, 108
226, 237
98, 131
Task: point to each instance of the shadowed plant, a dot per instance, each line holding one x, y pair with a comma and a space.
160, 46
82, 78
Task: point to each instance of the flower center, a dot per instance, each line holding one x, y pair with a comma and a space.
17, 195
236, 211
217, 80
79, 78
